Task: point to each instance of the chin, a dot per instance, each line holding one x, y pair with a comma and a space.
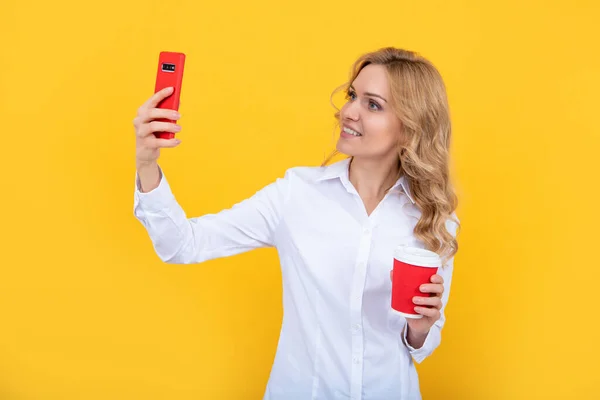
344, 148
358, 151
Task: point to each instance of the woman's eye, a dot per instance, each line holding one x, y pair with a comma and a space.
351, 95
375, 107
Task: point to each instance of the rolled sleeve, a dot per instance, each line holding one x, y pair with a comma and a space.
432, 341
157, 199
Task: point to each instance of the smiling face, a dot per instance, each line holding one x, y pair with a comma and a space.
370, 128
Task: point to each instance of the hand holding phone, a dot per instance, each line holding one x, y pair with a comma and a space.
169, 74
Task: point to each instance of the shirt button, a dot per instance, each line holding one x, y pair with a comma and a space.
367, 231
356, 328
356, 360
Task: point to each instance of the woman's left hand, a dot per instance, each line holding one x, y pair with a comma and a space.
428, 306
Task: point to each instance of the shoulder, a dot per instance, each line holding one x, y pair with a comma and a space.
305, 173
297, 179
314, 174
318, 173
292, 179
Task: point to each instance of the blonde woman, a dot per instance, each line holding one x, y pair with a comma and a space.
335, 228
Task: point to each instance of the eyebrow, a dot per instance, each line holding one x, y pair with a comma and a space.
370, 94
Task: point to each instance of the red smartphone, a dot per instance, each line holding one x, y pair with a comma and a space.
169, 73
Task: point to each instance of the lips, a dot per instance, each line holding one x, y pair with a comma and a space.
350, 131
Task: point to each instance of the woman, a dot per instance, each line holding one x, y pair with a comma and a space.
335, 228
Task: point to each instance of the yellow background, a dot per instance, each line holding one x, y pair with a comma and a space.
88, 311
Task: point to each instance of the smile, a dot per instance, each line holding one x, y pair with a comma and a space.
351, 132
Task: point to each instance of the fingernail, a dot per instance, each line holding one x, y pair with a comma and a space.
422, 288
178, 128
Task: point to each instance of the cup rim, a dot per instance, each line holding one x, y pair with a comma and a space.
417, 256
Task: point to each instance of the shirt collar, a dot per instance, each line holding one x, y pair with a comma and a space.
339, 170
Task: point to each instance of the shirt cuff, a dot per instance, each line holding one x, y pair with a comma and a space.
422, 352
157, 199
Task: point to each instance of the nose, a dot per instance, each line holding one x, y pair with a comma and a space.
350, 111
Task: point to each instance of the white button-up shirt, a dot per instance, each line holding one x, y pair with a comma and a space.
340, 338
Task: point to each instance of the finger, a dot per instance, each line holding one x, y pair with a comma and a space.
158, 126
437, 279
428, 301
159, 113
154, 114
392, 275
433, 313
165, 143
157, 97
434, 288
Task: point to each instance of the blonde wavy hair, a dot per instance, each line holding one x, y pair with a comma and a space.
419, 99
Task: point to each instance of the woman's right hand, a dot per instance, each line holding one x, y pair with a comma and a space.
147, 145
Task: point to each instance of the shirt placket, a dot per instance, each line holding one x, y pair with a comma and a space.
358, 284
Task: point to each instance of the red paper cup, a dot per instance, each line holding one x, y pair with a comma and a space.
412, 268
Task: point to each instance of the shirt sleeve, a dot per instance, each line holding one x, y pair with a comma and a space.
178, 239
434, 337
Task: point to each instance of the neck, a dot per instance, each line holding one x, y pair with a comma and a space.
373, 178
